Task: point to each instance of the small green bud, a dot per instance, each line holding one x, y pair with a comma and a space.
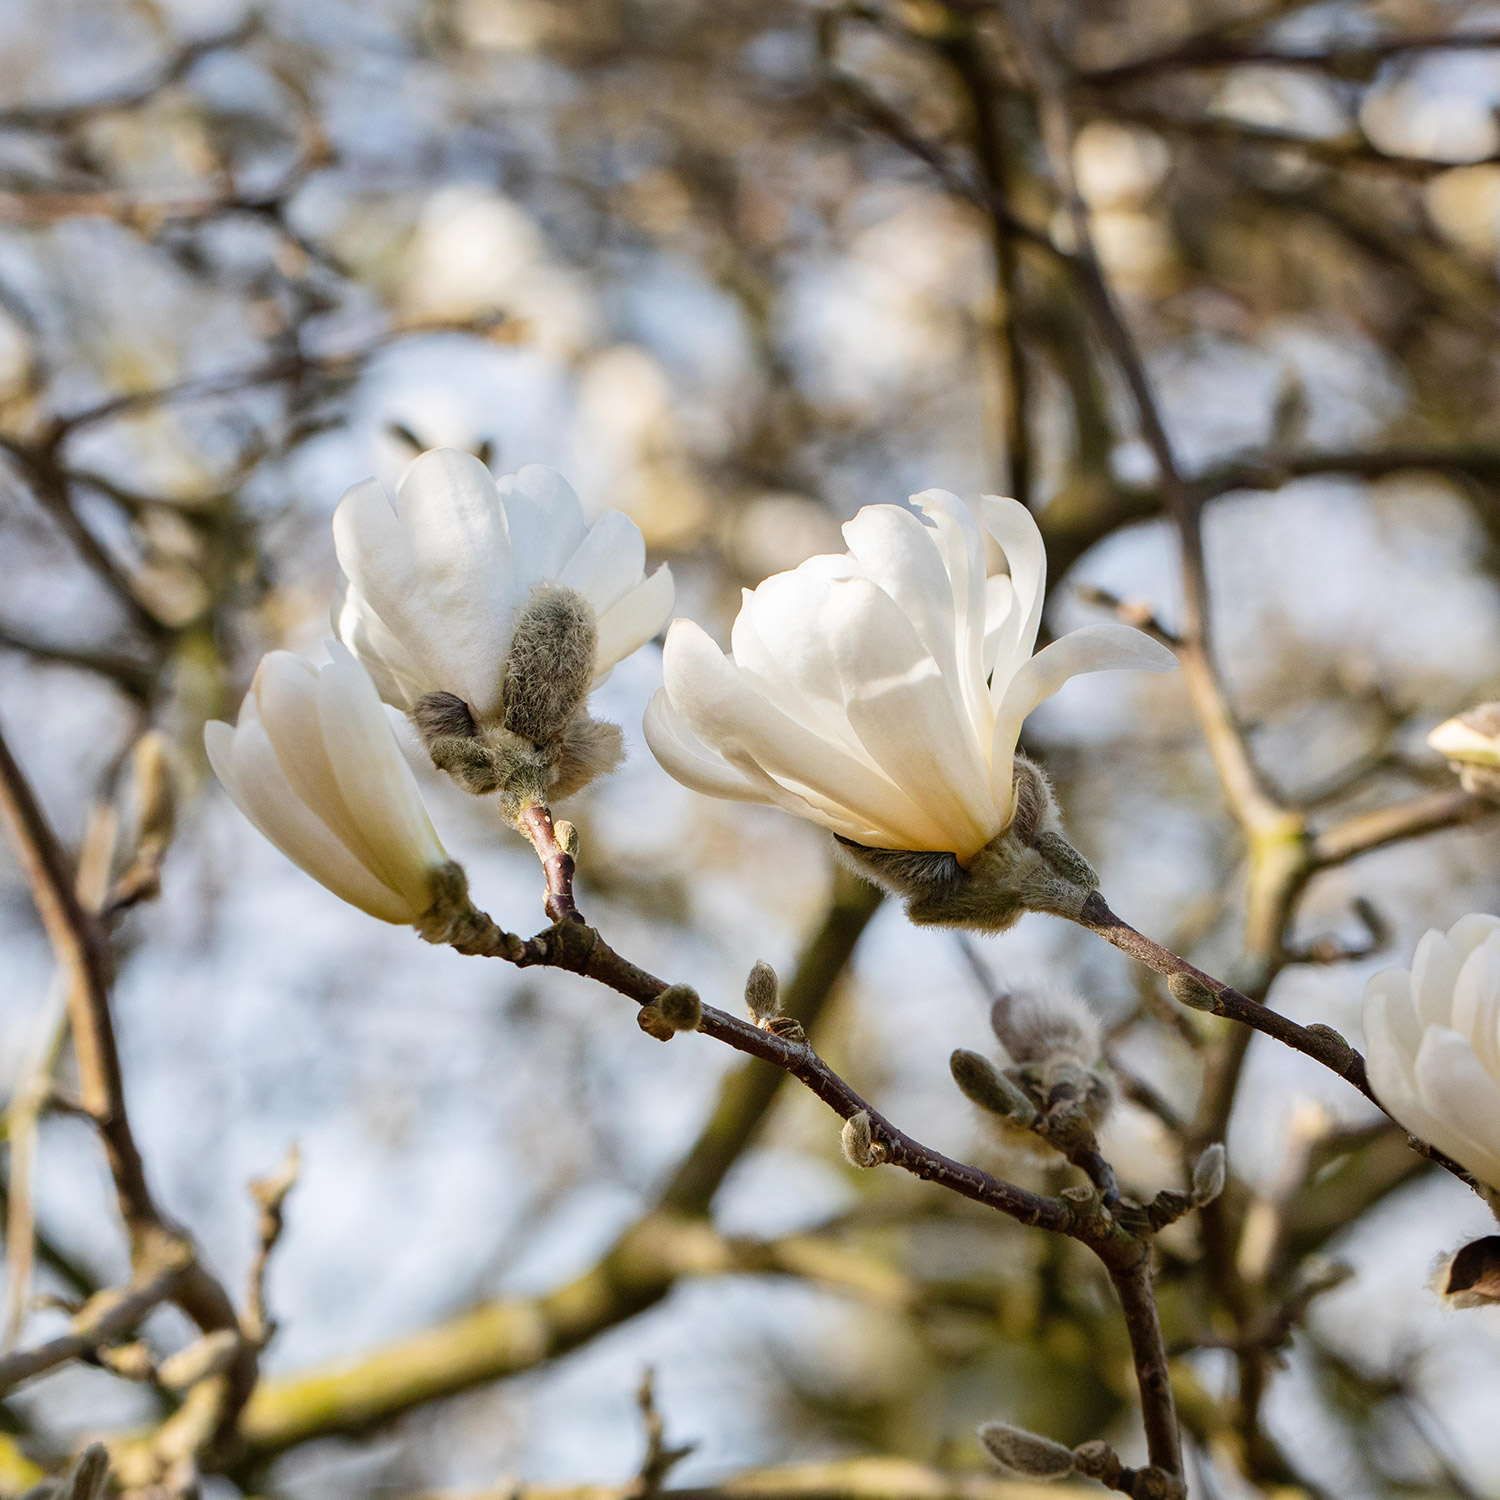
861, 1149
680, 1006
1210, 1172
1026, 1453
1319, 1029
985, 1085
763, 993
1189, 990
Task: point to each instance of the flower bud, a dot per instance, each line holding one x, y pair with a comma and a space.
1189, 990
567, 837
762, 993
985, 1085
861, 1149
1470, 739
1210, 1172
1046, 1026
680, 1006
1026, 1453
550, 666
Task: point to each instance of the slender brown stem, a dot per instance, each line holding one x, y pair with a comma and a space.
1132, 1283
557, 863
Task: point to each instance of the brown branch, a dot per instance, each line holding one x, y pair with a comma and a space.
557, 864
78, 941
1451, 808
107, 1317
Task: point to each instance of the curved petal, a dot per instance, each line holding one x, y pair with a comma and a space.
1455, 1088
1434, 972
1466, 934
397, 677
609, 563
898, 552
1476, 1008
1391, 1070
634, 620
375, 781
724, 711
687, 759
962, 546
999, 608
904, 715
245, 762
372, 550
1095, 648
1020, 539
458, 543
545, 523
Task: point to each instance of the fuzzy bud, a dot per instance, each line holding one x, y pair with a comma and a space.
1210, 1172
984, 1084
1046, 1026
550, 666
567, 837
1028, 867
680, 1007
763, 993
1471, 1276
861, 1149
1189, 990
1026, 1453
655, 1024
153, 790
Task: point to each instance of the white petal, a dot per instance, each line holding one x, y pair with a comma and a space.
1476, 1005
1391, 988
1466, 934
1015, 528
1095, 648
962, 546
610, 562
1464, 1099
687, 759
375, 780
904, 715
397, 676
899, 552
999, 609
634, 619
373, 551
1434, 971
245, 762
723, 710
459, 544
1391, 1066
1462, 742
546, 525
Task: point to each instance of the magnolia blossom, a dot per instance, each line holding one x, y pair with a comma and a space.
314, 764
1432, 1037
433, 585
880, 693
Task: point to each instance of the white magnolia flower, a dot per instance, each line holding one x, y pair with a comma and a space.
1432, 1036
880, 693
314, 764
434, 585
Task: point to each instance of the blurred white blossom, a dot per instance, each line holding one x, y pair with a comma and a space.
1432, 1035
880, 693
314, 764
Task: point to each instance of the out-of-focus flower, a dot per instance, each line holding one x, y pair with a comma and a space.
1471, 744
314, 764
488, 610
880, 693
1432, 1037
